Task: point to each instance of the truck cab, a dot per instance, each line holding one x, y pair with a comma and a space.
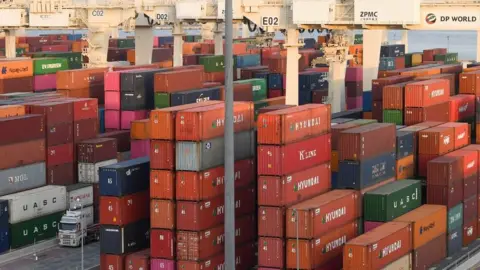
76, 226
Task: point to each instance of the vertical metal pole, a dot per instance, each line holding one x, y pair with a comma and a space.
298, 242
229, 158
81, 229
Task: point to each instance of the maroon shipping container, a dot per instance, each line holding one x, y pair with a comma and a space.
16, 85
290, 189
60, 134
96, 150
273, 108
62, 175
21, 128
59, 154
124, 210
337, 129
242, 92
429, 254
444, 170
139, 260
244, 260
271, 221
271, 252
85, 129
112, 262
470, 209
20, 154
449, 195
122, 136
377, 110
54, 112
198, 246
470, 186
294, 157
198, 216
162, 244
84, 108
362, 142
438, 113
378, 84
429, 54
470, 232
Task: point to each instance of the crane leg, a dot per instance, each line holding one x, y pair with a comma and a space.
10, 44
336, 85
405, 39
178, 34
291, 89
98, 46
143, 45
372, 40
218, 39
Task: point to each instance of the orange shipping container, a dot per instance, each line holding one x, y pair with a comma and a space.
162, 214
462, 134
318, 252
162, 121
16, 68
470, 83
205, 123
80, 78
406, 167
426, 93
436, 140
140, 129
162, 184
178, 80
12, 110
323, 213
378, 247
162, 155
428, 222
393, 96
293, 124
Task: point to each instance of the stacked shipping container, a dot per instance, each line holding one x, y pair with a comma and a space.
354, 87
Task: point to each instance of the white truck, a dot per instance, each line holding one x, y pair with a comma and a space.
77, 226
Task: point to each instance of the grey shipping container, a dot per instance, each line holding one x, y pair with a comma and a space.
22, 178
89, 172
79, 195
455, 217
129, 238
199, 156
454, 241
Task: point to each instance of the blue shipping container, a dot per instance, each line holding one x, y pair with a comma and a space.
405, 141
101, 117
367, 101
247, 60
387, 63
309, 43
195, 96
125, 177
334, 180
165, 40
261, 75
74, 36
359, 175
454, 241
304, 97
3, 212
312, 81
4, 226
399, 127
275, 81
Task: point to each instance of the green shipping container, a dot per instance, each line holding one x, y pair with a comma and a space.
449, 58
257, 106
74, 59
161, 100
360, 226
42, 66
392, 200
455, 217
259, 88
363, 122
34, 230
393, 116
214, 63
358, 39
126, 43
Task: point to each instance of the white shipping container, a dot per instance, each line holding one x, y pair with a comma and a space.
88, 172
81, 192
36, 203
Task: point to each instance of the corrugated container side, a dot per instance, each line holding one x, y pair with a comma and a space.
455, 241
112, 262
436, 141
162, 214
162, 244
461, 134
120, 240
138, 260
448, 195
21, 154
79, 194
271, 252
404, 262
34, 230
162, 264
455, 217
393, 96
125, 177
271, 221
89, 172
162, 184
124, 210
469, 161
470, 232
443, 170
162, 155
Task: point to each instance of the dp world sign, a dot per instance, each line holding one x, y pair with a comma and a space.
450, 18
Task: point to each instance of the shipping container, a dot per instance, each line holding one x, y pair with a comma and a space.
79, 195
470, 232
271, 221
17, 69
90, 172
35, 203
428, 222
455, 241
34, 230
126, 177
436, 140
272, 159
22, 178
194, 96
197, 186
461, 134
469, 161
21, 154
315, 217
455, 217
60, 154
403, 263
449, 195
405, 167
162, 214
405, 143
314, 253
162, 264
21, 128
392, 200
470, 209
124, 210
197, 216
439, 112
175, 81
162, 154
271, 252
337, 129
362, 143
129, 238
199, 156
445, 169
462, 107
469, 83
139, 260
162, 243
85, 129
55, 112
290, 189
59, 134
293, 124
43, 66
430, 253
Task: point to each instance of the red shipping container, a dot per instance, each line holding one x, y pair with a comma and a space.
124, 210
449, 195
438, 112
20, 154
470, 232
470, 209
323, 213
462, 133
55, 112
85, 129
469, 160
436, 140
198, 186
393, 96
362, 142
59, 154
429, 54
198, 246
162, 214
271, 252
139, 260
162, 244
294, 157
198, 216
318, 252
244, 260
85, 108
469, 83
273, 93
162, 184
444, 170
271, 221
293, 124
423, 160
112, 262
378, 247
426, 93
60, 134
62, 175
290, 189
462, 107
380, 83
208, 122
162, 155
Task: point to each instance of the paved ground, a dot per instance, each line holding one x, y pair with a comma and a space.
58, 258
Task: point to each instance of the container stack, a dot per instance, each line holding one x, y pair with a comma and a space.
140, 138
405, 154
16, 76
44, 73
74, 59
82, 83
378, 86
392, 57
124, 211
413, 59
4, 227
353, 87
249, 90
356, 51
301, 133
310, 84
214, 67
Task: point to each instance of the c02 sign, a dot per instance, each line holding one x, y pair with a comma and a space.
97, 12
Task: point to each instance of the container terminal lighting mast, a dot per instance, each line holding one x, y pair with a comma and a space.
103, 18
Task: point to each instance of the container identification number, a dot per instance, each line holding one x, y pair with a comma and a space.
270, 21
162, 16
97, 13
